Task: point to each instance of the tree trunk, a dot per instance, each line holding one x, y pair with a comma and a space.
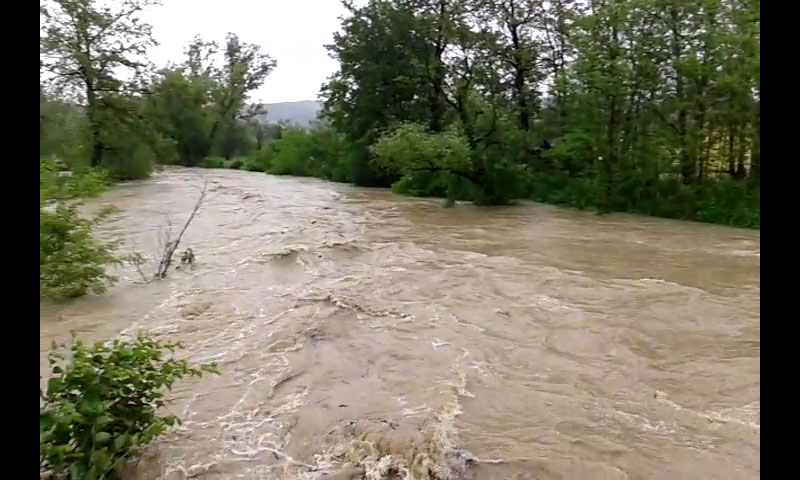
741, 170
613, 126
687, 165
94, 127
755, 151
436, 107
435, 103
519, 80
731, 156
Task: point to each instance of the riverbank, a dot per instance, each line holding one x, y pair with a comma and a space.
720, 201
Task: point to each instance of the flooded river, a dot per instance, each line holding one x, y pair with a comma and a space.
366, 335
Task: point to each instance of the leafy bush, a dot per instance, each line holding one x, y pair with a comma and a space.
254, 162
410, 148
444, 164
131, 160
213, 162
234, 163
102, 405
63, 132
71, 262
80, 182
318, 153
292, 154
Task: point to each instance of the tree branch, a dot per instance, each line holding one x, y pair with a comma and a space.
171, 246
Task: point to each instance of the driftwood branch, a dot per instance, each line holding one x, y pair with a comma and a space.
172, 245
137, 260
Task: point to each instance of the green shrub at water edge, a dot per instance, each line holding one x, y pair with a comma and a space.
71, 262
235, 163
102, 405
213, 162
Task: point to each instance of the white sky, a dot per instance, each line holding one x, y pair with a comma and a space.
293, 32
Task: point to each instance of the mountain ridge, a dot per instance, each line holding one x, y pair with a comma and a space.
302, 113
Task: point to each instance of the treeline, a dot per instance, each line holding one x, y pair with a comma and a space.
102, 104
649, 106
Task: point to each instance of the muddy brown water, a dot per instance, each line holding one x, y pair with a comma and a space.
362, 334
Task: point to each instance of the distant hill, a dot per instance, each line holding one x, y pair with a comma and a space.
300, 113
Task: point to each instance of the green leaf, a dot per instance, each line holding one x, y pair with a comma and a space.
77, 470
45, 422
104, 420
121, 441
101, 437
54, 386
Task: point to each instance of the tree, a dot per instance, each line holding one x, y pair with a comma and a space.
382, 79
202, 105
244, 69
180, 109
88, 49
510, 26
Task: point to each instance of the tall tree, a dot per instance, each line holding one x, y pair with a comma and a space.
95, 51
244, 69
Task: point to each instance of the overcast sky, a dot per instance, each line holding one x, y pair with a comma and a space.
293, 32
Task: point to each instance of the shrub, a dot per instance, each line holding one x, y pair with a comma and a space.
82, 181
101, 406
131, 161
234, 163
71, 261
63, 132
253, 163
292, 154
213, 162
425, 160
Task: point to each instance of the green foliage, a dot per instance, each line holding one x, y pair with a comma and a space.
409, 148
428, 184
102, 404
130, 159
179, 110
95, 52
82, 182
71, 262
236, 139
632, 90
201, 105
63, 132
257, 161
447, 161
382, 73
213, 162
714, 201
319, 153
291, 154
235, 163
631, 105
